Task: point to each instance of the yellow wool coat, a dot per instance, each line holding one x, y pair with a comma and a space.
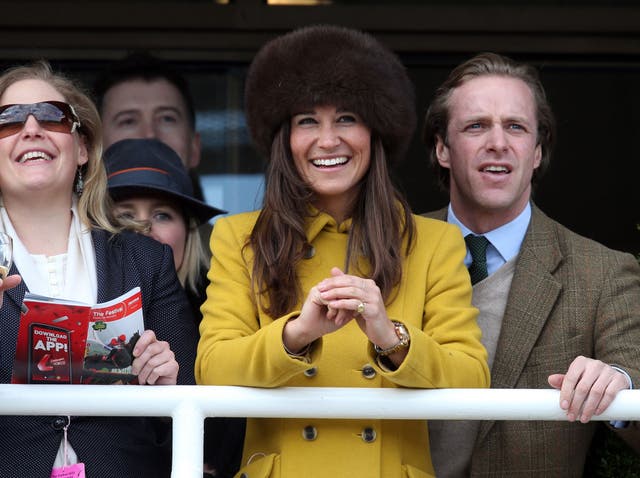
241, 345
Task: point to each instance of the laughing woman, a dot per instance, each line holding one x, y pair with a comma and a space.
55, 207
334, 283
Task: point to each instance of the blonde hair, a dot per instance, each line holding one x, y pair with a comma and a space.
94, 205
194, 259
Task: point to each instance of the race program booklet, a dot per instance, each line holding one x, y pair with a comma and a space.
63, 341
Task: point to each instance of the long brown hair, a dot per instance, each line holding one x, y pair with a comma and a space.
381, 223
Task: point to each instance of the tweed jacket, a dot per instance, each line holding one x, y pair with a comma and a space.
110, 447
433, 301
570, 296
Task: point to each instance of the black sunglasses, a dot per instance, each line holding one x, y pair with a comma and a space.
54, 116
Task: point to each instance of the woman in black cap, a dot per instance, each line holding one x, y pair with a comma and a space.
55, 206
153, 194
334, 283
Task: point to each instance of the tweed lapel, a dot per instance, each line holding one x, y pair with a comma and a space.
533, 293
440, 214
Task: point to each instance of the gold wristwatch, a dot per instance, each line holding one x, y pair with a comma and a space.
403, 335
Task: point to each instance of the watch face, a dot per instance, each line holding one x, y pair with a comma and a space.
402, 332
403, 336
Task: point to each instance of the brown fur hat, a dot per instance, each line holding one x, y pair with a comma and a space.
330, 65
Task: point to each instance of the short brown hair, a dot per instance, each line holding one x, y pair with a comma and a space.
487, 64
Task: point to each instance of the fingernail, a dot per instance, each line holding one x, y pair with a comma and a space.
564, 405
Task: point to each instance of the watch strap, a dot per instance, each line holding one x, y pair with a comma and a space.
403, 336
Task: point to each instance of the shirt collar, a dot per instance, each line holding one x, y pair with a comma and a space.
507, 238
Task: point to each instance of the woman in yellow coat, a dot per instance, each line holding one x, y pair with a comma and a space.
334, 282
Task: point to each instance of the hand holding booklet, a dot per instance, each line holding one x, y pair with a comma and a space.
63, 341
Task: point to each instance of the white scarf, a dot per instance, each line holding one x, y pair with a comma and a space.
79, 277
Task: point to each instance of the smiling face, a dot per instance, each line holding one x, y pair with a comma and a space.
150, 109
166, 222
491, 150
37, 161
332, 153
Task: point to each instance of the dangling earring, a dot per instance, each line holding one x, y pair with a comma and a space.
79, 185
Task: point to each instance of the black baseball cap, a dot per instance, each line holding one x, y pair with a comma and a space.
137, 166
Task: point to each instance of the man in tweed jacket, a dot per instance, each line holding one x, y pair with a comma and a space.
556, 308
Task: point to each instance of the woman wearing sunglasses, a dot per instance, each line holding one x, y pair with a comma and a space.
66, 244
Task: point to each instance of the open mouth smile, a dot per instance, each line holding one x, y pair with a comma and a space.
329, 162
496, 170
34, 156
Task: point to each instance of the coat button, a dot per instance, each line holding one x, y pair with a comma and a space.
311, 372
309, 433
244, 475
59, 423
309, 252
368, 435
368, 371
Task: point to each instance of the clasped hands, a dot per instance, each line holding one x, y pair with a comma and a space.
333, 303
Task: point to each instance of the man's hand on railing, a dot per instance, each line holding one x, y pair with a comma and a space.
154, 363
588, 388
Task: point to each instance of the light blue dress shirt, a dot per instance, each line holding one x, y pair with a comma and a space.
505, 241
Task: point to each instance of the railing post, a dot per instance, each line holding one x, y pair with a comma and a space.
188, 432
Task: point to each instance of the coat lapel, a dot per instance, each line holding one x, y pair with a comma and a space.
16, 295
109, 270
440, 214
533, 293
9, 326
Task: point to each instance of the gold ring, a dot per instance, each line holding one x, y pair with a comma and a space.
360, 308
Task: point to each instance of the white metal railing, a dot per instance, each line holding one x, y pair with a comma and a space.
189, 405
